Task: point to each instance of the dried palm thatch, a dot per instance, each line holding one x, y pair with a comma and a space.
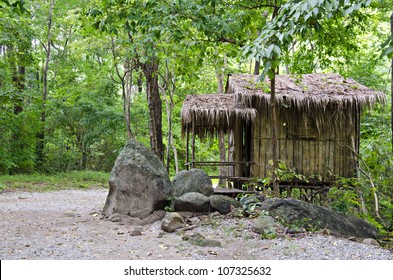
332, 102
307, 92
207, 114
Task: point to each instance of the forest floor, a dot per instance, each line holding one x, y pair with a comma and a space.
66, 224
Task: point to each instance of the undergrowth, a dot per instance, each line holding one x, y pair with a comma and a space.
53, 182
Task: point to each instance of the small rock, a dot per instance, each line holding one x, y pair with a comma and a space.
172, 222
192, 202
223, 203
115, 218
135, 231
370, 241
236, 212
198, 239
194, 220
265, 224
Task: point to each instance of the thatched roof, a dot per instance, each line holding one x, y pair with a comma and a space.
303, 94
209, 113
309, 91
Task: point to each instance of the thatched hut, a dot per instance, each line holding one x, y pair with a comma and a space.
318, 123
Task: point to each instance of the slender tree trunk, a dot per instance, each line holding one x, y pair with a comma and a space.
257, 66
170, 87
221, 135
276, 188
18, 68
127, 82
175, 157
140, 80
41, 135
391, 80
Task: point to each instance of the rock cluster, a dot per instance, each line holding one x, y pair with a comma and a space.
193, 192
140, 189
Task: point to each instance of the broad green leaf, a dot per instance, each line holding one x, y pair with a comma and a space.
306, 17
388, 52
350, 10
277, 50
269, 51
312, 3
315, 12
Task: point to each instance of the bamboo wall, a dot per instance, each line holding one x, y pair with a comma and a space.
324, 153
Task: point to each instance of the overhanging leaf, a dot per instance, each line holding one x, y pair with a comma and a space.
388, 51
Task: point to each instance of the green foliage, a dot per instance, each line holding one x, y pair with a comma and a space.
343, 198
268, 235
284, 173
299, 225
309, 22
250, 204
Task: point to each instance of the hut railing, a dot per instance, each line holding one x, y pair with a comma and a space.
226, 169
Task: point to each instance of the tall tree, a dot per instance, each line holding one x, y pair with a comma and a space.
16, 36
124, 74
47, 47
391, 79
310, 20
143, 22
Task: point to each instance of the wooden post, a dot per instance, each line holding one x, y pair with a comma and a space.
187, 148
193, 145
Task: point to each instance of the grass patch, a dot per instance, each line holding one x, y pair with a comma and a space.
54, 182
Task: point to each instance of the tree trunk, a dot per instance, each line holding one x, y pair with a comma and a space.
276, 188
150, 70
175, 157
41, 135
169, 110
18, 68
127, 84
140, 80
391, 80
221, 136
257, 66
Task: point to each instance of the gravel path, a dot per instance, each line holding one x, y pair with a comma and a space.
67, 225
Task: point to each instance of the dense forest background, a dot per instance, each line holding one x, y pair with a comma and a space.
78, 79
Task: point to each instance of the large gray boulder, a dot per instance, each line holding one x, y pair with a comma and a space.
192, 202
139, 184
194, 180
312, 216
223, 203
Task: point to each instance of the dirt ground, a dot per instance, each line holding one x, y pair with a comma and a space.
68, 225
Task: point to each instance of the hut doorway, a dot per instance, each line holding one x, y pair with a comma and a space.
243, 152
247, 149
